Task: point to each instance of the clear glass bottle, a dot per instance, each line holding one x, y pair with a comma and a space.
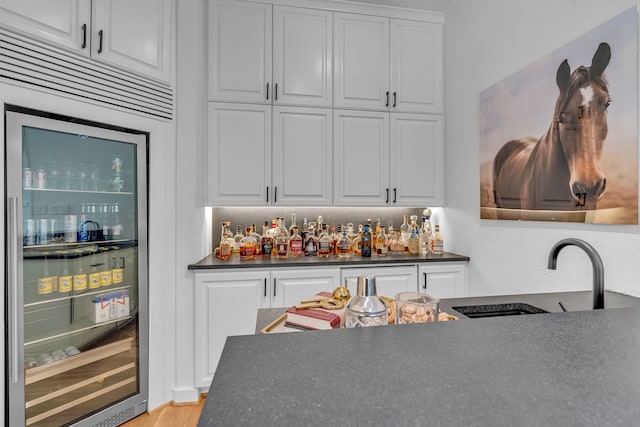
226, 248
311, 244
65, 280
356, 244
266, 242
106, 275
381, 243
79, 278
282, 240
294, 223
319, 225
248, 246
366, 241
405, 232
414, 242
425, 233
324, 243
258, 237
295, 242
343, 245
437, 242
334, 238
117, 270
94, 273
237, 239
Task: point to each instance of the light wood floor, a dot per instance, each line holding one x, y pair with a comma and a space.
174, 415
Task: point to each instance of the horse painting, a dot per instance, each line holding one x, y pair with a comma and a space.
560, 170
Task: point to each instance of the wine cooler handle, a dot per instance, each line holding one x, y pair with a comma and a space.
12, 266
100, 41
84, 36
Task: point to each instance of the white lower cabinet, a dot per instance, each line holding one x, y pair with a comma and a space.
445, 280
389, 280
227, 303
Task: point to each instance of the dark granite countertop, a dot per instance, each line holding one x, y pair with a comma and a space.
211, 262
556, 369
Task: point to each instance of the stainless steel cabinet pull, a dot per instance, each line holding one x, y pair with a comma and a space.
395, 193
100, 41
84, 36
267, 91
425, 281
394, 99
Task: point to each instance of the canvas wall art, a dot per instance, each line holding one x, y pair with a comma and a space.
559, 138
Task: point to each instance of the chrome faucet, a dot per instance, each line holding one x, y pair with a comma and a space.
596, 262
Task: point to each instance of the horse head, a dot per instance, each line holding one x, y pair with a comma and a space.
581, 117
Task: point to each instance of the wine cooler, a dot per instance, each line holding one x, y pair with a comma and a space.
76, 263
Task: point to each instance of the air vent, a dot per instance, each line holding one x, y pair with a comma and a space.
117, 419
37, 65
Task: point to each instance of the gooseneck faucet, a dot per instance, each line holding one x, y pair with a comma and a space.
596, 262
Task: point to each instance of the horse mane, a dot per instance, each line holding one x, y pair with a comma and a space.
580, 78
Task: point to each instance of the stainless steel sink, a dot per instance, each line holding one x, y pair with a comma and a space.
496, 310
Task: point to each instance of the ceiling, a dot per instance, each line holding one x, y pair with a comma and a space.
435, 5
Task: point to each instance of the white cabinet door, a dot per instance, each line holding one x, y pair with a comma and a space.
389, 280
360, 158
302, 55
417, 172
444, 280
292, 286
134, 35
225, 304
302, 156
239, 43
361, 69
416, 62
238, 154
62, 22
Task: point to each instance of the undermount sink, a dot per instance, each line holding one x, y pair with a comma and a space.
496, 310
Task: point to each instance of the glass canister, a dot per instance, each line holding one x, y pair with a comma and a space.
366, 308
414, 307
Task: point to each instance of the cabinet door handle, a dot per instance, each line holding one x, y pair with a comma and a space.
84, 36
387, 201
267, 91
265, 286
100, 41
425, 281
275, 93
267, 194
275, 194
395, 193
12, 267
274, 287
387, 103
394, 99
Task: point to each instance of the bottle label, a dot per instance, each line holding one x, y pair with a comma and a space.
106, 278
79, 282
65, 283
45, 285
267, 247
117, 275
296, 246
324, 246
94, 280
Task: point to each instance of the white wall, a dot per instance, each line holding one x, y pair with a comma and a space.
486, 41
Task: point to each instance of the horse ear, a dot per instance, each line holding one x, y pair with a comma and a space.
600, 59
562, 77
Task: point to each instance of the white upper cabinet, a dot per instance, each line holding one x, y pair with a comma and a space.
387, 64
247, 40
61, 22
240, 40
301, 156
134, 36
416, 160
361, 70
416, 67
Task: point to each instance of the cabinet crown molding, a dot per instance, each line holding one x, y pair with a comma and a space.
362, 8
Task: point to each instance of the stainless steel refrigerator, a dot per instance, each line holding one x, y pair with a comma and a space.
76, 271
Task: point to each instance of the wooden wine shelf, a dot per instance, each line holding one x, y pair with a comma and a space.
40, 373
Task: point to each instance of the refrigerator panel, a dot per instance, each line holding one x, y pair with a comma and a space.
77, 278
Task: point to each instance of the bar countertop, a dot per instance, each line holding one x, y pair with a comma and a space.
578, 368
210, 262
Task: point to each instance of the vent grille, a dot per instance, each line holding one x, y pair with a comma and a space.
117, 419
34, 64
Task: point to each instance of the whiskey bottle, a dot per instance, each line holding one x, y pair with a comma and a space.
437, 245
405, 232
366, 241
311, 244
414, 243
295, 242
381, 243
356, 244
425, 233
324, 243
236, 239
343, 245
248, 246
266, 241
226, 247
282, 239
294, 223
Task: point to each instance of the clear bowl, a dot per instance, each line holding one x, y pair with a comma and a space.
416, 307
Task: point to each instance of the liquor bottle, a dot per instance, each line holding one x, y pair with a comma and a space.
266, 241
311, 244
65, 280
294, 223
381, 243
106, 275
237, 239
79, 278
248, 246
425, 235
282, 239
319, 224
45, 283
405, 232
303, 230
437, 242
334, 236
324, 243
117, 270
258, 237
343, 245
295, 242
356, 243
366, 241
226, 248
414, 242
